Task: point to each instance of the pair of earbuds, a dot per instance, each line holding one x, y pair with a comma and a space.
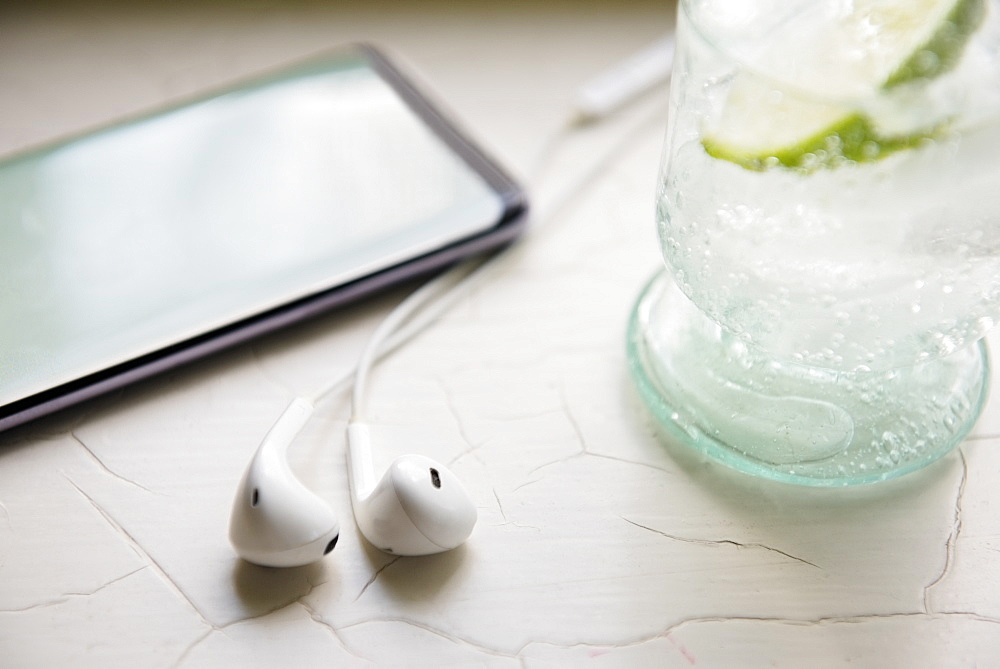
418, 507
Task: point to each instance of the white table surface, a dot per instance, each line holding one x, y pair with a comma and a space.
598, 543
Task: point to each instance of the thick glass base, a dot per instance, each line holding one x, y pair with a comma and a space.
791, 422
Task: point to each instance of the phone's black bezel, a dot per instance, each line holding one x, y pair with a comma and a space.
507, 227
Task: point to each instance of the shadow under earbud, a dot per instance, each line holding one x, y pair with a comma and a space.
266, 589
416, 578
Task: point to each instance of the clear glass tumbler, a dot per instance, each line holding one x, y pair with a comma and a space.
829, 214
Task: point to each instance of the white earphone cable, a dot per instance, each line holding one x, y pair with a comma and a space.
297, 527
398, 317
380, 345
447, 288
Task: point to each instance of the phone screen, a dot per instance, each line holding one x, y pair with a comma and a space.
136, 237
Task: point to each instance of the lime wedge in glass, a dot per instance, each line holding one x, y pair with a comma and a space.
940, 46
884, 45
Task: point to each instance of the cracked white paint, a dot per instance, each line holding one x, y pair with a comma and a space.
100, 463
140, 551
722, 542
62, 598
597, 545
375, 576
949, 547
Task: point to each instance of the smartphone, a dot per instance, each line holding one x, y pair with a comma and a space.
135, 248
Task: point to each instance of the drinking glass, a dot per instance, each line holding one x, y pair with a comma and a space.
829, 215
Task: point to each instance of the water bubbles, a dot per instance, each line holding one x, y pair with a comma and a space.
871, 149
843, 258
926, 60
834, 144
892, 444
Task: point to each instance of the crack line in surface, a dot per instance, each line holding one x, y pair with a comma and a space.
140, 551
459, 423
273, 609
506, 521
715, 542
222, 628
440, 633
312, 586
499, 505
575, 426
572, 418
63, 598
956, 528
582, 454
376, 575
832, 620
520, 526
550, 463
100, 463
630, 462
543, 466
192, 646
333, 631
971, 615
525, 485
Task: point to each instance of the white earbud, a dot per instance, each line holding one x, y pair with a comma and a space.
417, 508
276, 521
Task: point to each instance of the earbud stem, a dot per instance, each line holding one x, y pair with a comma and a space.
287, 428
359, 461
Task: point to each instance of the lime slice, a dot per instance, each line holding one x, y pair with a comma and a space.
943, 46
762, 127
